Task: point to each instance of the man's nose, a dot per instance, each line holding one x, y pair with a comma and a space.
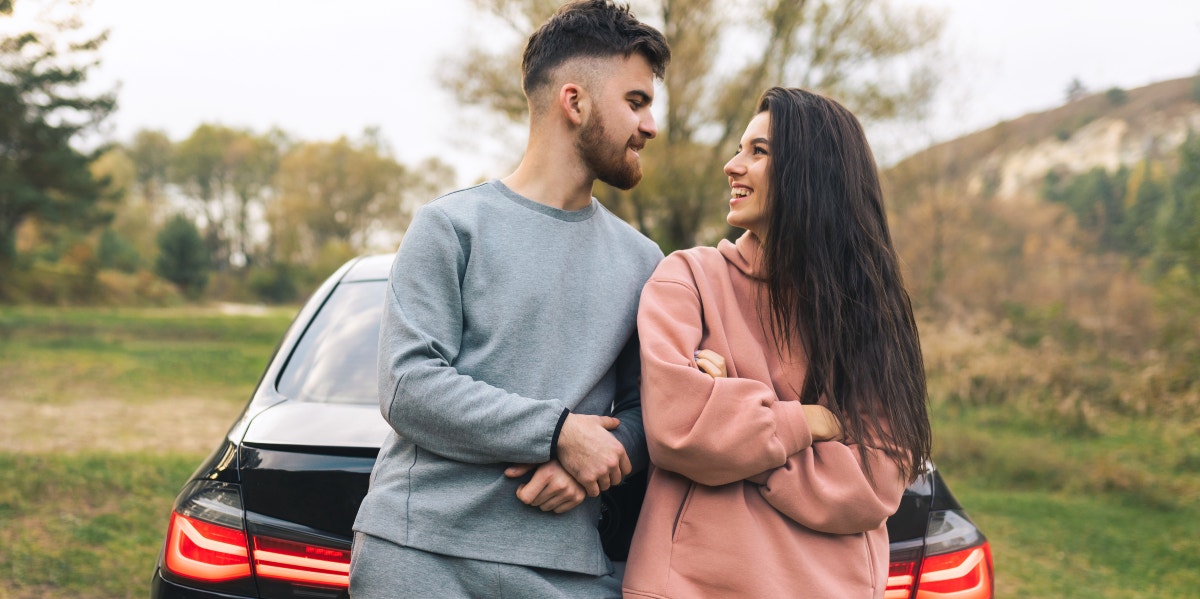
649, 128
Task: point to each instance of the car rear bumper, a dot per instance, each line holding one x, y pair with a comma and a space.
165, 589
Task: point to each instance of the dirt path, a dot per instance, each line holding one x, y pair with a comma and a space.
181, 425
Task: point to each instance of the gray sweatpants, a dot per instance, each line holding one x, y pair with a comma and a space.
380, 569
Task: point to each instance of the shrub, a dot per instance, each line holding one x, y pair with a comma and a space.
137, 289
183, 259
274, 284
1116, 96
117, 253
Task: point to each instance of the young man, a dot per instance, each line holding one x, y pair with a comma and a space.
508, 339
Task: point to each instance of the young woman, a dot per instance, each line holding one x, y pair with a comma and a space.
783, 390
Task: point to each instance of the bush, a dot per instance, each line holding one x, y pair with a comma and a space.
274, 284
183, 259
117, 253
1116, 96
137, 289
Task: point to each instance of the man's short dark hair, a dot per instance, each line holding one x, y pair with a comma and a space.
590, 28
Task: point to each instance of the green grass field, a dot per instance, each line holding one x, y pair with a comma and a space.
1100, 511
1114, 515
89, 522
84, 525
56, 355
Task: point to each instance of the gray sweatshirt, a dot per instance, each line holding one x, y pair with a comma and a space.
500, 314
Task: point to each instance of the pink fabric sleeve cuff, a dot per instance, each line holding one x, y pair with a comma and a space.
791, 427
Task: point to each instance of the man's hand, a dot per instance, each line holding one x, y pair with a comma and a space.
551, 489
591, 454
823, 425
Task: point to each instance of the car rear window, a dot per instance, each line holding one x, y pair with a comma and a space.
335, 360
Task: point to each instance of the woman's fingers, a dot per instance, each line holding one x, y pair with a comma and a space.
711, 363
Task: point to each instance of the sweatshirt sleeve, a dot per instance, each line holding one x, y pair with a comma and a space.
627, 406
824, 488
422, 396
713, 431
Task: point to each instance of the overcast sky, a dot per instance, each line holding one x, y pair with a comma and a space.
324, 69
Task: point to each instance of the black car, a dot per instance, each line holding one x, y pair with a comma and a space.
268, 514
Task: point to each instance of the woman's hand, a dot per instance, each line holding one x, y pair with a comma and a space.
711, 363
822, 423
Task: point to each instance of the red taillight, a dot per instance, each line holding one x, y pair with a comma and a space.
965, 574
899, 581
204, 551
301, 562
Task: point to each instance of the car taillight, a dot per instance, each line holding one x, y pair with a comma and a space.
900, 580
957, 563
199, 550
206, 539
963, 574
305, 563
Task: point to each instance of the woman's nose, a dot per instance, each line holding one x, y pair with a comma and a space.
733, 167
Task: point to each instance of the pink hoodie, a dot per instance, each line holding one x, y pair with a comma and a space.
816, 527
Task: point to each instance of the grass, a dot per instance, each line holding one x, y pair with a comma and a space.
89, 523
1104, 507
84, 525
1070, 545
57, 355
1077, 514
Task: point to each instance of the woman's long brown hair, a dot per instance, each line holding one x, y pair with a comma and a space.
833, 278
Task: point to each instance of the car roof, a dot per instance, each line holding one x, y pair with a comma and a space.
369, 268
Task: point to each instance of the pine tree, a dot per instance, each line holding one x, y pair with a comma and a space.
41, 175
183, 258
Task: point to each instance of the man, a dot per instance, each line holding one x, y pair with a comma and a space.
508, 339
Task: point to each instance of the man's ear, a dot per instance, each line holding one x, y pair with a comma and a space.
574, 102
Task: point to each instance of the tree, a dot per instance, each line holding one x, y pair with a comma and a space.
117, 253
344, 193
151, 153
1146, 196
137, 215
1097, 199
1076, 90
1179, 224
1116, 96
224, 172
872, 57
42, 176
183, 256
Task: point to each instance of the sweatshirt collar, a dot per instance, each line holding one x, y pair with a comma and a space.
745, 254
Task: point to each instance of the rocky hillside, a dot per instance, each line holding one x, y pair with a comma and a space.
1108, 129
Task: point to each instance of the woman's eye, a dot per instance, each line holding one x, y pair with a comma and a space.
758, 150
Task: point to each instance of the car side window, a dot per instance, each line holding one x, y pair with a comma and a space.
335, 360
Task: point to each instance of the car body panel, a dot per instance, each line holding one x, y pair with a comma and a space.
318, 425
316, 490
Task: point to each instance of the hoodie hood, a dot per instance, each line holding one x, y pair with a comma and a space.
745, 255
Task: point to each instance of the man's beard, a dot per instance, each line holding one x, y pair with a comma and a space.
606, 162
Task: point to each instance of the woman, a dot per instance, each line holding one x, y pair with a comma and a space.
783, 390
